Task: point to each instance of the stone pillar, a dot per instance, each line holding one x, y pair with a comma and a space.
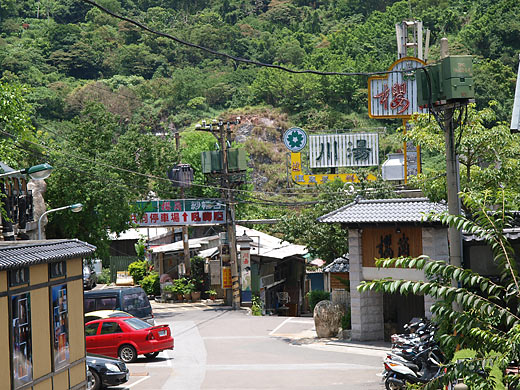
366, 308
434, 245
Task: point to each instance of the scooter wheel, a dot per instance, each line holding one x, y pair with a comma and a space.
389, 385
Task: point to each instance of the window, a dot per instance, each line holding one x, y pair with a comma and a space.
60, 316
109, 303
22, 348
135, 301
137, 324
110, 327
90, 305
91, 329
18, 276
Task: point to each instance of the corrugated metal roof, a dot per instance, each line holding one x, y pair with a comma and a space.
341, 264
25, 253
401, 210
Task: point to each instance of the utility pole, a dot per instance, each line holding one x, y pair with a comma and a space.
185, 233
222, 132
452, 174
224, 136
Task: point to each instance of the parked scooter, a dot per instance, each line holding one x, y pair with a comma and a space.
399, 372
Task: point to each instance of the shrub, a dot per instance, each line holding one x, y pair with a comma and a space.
138, 270
317, 296
256, 307
150, 284
105, 276
345, 321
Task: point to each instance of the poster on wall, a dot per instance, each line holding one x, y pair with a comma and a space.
60, 320
22, 348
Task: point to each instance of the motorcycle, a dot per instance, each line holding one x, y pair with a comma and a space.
399, 372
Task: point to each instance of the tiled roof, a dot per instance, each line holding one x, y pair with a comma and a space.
341, 264
15, 254
401, 210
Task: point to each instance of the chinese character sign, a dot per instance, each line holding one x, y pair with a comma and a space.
394, 95
343, 150
179, 212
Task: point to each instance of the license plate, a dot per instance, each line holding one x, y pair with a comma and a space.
162, 333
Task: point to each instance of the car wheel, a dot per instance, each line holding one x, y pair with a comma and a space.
152, 355
96, 380
127, 353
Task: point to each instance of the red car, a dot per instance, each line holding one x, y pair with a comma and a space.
127, 337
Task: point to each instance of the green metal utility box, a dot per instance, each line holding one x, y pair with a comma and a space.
212, 161
451, 79
457, 77
237, 160
428, 86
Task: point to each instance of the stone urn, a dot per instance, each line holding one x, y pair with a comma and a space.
327, 318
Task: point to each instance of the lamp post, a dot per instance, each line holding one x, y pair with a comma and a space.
75, 208
36, 172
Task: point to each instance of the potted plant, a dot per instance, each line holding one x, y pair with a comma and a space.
212, 294
189, 287
169, 292
178, 288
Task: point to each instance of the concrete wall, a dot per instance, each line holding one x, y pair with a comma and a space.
366, 308
435, 245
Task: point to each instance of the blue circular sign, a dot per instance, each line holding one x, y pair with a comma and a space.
295, 139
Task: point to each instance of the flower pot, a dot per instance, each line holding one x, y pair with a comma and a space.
167, 295
187, 297
179, 297
212, 297
195, 296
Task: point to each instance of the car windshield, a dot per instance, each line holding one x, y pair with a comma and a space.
137, 324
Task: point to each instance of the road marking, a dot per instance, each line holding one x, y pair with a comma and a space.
279, 326
137, 382
290, 367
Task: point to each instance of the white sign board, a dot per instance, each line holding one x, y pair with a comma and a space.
344, 150
394, 95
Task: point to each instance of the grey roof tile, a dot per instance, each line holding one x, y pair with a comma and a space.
341, 264
400, 210
15, 254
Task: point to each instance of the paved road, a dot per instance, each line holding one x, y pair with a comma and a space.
217, 348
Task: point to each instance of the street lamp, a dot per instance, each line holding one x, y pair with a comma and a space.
75, 208
36, 172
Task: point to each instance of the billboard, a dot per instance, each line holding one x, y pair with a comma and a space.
344, 150
394, 95
179, 212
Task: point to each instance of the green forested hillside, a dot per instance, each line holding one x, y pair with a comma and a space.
62, 47
88, 73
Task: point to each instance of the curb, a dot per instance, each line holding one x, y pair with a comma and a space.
360, 346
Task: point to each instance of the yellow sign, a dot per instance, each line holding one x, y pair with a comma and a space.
300, 178
226, 277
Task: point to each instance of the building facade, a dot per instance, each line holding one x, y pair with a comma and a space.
41, 320
388, 228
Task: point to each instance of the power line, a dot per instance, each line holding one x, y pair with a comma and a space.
235, 58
